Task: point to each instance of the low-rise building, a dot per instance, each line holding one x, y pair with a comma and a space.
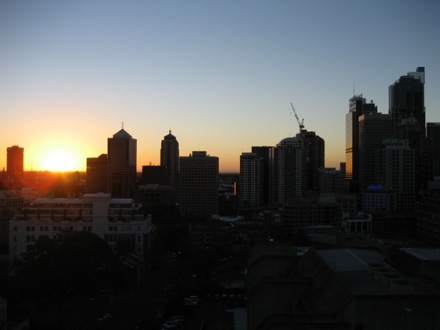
121, 222
344, 288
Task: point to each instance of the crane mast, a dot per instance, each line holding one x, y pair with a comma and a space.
300, 122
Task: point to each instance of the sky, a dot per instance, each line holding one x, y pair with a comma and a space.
219, 74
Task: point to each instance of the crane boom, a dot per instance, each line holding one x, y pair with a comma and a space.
300, 123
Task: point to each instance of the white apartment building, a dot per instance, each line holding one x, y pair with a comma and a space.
120, 222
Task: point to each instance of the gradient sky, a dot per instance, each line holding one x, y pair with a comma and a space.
220, 74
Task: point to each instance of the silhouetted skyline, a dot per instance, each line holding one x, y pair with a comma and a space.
220, 75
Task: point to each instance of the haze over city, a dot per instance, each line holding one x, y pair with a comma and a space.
219, 75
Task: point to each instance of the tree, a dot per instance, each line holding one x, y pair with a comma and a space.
72, 262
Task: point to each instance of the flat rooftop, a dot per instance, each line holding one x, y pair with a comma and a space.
351, 266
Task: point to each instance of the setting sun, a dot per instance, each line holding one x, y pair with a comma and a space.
60, 161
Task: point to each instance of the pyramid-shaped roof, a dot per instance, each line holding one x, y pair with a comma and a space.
122, 134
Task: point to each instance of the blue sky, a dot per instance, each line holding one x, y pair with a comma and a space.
219, 74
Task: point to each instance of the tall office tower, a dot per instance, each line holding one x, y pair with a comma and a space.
395, 164
96, 174
198, 186
407, 106
433, 136
314, 148
121, 165
287, 170
263, 153
169, 159
14, 160
373, 128
357, 107
251, 181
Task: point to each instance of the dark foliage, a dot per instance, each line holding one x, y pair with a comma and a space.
73, 263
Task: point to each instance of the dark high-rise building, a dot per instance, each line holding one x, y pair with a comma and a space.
121, 165
314, 149
433, 136
152, 174
96, 174
169, 159
287, 171
407, 107
198, 186
395, 169
15, 160
357, 107
251, 181
263, 153
373, 129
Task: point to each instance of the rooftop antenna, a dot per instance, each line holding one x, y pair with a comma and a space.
122, 124
354, 90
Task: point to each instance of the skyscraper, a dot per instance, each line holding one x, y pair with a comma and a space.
314, 149
263, 153
357, 107
14, 160
121, 165
407, 106
96, 174
198, 186
396, 173
169, 159
287, 170
373, 129
250, 181
433, 135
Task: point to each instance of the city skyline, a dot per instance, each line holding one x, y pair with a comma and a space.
220, 76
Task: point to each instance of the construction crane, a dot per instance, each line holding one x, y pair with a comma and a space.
300, 123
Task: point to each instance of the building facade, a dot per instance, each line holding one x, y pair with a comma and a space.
287, 170
120, 222
96, 174
198, 186
314, 149
373, 128
169, 159
433, 136
331, 180
263, 152
396, 170
15, 161
121, 165
407, 108
407, 102
251, 181
358, 106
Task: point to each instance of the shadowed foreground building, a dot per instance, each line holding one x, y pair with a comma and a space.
343, 289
